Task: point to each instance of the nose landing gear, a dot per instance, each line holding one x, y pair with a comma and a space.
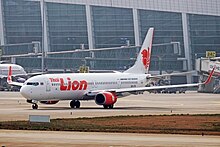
34, 103
34, 106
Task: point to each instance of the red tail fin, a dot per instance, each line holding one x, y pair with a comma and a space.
9, 79
210, 76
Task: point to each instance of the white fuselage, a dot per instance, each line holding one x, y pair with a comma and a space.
74, 86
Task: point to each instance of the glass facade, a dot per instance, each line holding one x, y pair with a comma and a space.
204, 34
22, 24
115, 59
67, 26
112, 26
168, 28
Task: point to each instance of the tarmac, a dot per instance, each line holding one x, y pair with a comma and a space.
93, 139
14, 107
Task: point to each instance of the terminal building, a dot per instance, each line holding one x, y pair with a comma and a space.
184, 31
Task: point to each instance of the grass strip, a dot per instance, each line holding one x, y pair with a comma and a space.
200, 124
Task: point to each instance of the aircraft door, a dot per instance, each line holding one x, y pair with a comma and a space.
31, 91
119, 83
48, 87
94, 85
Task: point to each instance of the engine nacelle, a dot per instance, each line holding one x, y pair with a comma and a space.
49, 102
105, 98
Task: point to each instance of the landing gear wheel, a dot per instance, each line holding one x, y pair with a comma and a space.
111, 106
75, 104
72, 104
105, 106
34, 106
108, 106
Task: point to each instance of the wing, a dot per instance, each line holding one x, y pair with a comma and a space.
136, 89
16, 84
153, 88
166, 86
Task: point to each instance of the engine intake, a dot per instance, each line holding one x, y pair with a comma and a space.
105, 98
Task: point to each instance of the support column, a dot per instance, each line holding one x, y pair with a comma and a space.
2, 36
45, 37
187, 47
136, 27
89, 26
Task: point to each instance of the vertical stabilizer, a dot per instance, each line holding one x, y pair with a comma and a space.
142, 63
9, 79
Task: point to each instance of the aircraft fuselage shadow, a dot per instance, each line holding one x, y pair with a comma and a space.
101, 108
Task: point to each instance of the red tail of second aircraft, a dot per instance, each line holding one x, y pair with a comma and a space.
9, 79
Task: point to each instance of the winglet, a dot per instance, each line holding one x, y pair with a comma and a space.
210, 76
9, 79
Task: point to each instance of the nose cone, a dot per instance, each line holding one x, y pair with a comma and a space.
24, 92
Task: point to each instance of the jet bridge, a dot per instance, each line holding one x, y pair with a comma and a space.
204, 66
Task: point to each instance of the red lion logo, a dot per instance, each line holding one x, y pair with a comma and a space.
146, 57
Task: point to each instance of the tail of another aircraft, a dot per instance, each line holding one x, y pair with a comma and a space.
9, 79
142, 63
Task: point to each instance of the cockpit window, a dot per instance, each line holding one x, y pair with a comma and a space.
33, 83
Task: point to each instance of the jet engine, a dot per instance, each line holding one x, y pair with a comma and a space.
105, 98
49, 102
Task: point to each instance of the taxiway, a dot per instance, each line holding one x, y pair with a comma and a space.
14, 107
92, 139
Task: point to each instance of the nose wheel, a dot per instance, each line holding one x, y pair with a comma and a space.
34, 106
75, 104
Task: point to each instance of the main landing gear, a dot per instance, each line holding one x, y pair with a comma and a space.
108, 106
75, 104
34, 106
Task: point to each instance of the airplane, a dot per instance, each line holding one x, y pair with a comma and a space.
103, 88
17, 71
